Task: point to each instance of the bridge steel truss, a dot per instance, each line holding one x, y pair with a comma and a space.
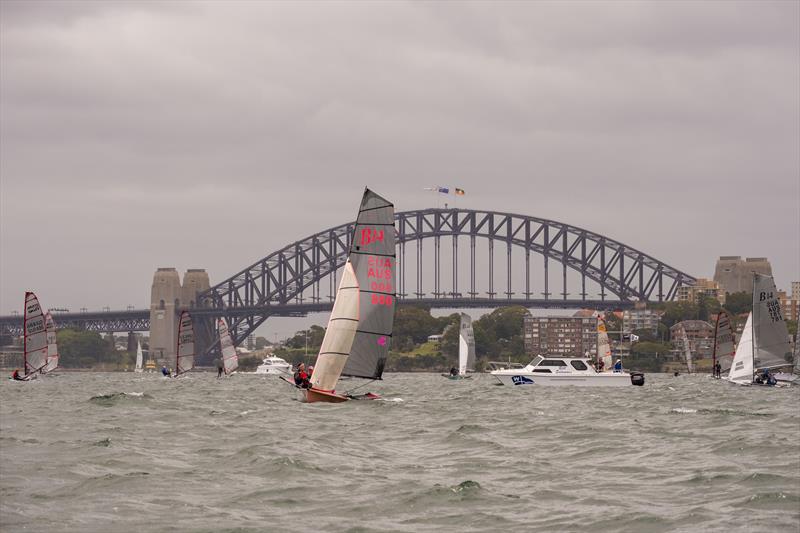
291, 276
101, 322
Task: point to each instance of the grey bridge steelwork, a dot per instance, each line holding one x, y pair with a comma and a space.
288, 278
288, 282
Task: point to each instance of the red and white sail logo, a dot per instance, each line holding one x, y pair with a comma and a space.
370, 236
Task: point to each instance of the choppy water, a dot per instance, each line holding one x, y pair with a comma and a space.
133, 452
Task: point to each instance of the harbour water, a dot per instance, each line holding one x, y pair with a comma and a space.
137, 452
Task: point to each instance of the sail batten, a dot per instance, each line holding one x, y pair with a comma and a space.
185, 351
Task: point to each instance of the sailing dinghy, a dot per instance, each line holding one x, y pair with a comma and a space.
34, 338
687, 350
52, 344
230, 359
139, 358
184, 357
359, 332
723, 344
466, 349
603, 347
765, 340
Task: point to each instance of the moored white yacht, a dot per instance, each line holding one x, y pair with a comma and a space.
274, 366
557, 370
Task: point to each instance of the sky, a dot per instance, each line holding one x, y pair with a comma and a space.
138, 135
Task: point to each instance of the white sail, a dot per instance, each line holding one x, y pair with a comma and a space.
797, 352
723, 342
230, 359
185, 352
52, 344
339, 336
139, 357
603, 345
687, 350
35, 335
742, 366
771, 348
466, 345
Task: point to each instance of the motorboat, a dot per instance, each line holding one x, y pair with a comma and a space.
275, 366
556, 370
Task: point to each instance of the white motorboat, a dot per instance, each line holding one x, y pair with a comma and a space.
275, 366
566, 371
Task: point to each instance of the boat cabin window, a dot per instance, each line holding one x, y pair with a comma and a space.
536, 360
543, 370
552, 362
578, 365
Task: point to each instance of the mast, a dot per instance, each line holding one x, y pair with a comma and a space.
753, 330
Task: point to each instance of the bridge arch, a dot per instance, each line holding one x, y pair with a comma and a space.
294, 274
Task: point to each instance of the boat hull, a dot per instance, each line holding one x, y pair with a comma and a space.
600, 379
314, 395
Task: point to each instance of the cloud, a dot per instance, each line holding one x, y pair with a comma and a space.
259, 123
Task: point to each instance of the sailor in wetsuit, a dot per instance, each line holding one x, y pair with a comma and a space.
164, 371
16, 375
301, 377
453, 371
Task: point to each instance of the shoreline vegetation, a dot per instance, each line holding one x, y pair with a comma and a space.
498, 337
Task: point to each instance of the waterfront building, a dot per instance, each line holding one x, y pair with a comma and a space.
700, 335
734, 274
640, 317
560, 335
701, 287
790, 305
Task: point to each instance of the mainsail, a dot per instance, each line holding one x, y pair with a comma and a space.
687, 349
603, 345
185, 352
139, 357
723, 342
466, 346
52, 344
359, 332
742, 365
771, 347
230, 360
35, 335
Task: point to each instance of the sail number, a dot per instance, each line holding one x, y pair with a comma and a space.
382, 299
369, 236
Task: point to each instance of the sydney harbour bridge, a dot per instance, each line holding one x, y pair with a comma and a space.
456, 258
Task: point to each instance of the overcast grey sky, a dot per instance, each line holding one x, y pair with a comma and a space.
135, 135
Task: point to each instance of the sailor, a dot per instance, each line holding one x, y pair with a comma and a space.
16, 375
219, 369
618, 366
164, 371
310, 371
453, 371
601, 365
300, 377
718, 370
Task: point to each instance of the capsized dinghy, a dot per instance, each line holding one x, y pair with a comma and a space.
359, 332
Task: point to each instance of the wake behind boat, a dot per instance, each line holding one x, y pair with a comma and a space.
359, 332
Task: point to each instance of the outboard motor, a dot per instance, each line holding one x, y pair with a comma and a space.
637, 378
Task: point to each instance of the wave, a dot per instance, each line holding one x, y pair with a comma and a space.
114, 398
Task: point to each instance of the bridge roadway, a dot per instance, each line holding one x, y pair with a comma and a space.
139, 319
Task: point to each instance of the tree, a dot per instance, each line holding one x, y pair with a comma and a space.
83, 349
737, 303
261, 343
414, 323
